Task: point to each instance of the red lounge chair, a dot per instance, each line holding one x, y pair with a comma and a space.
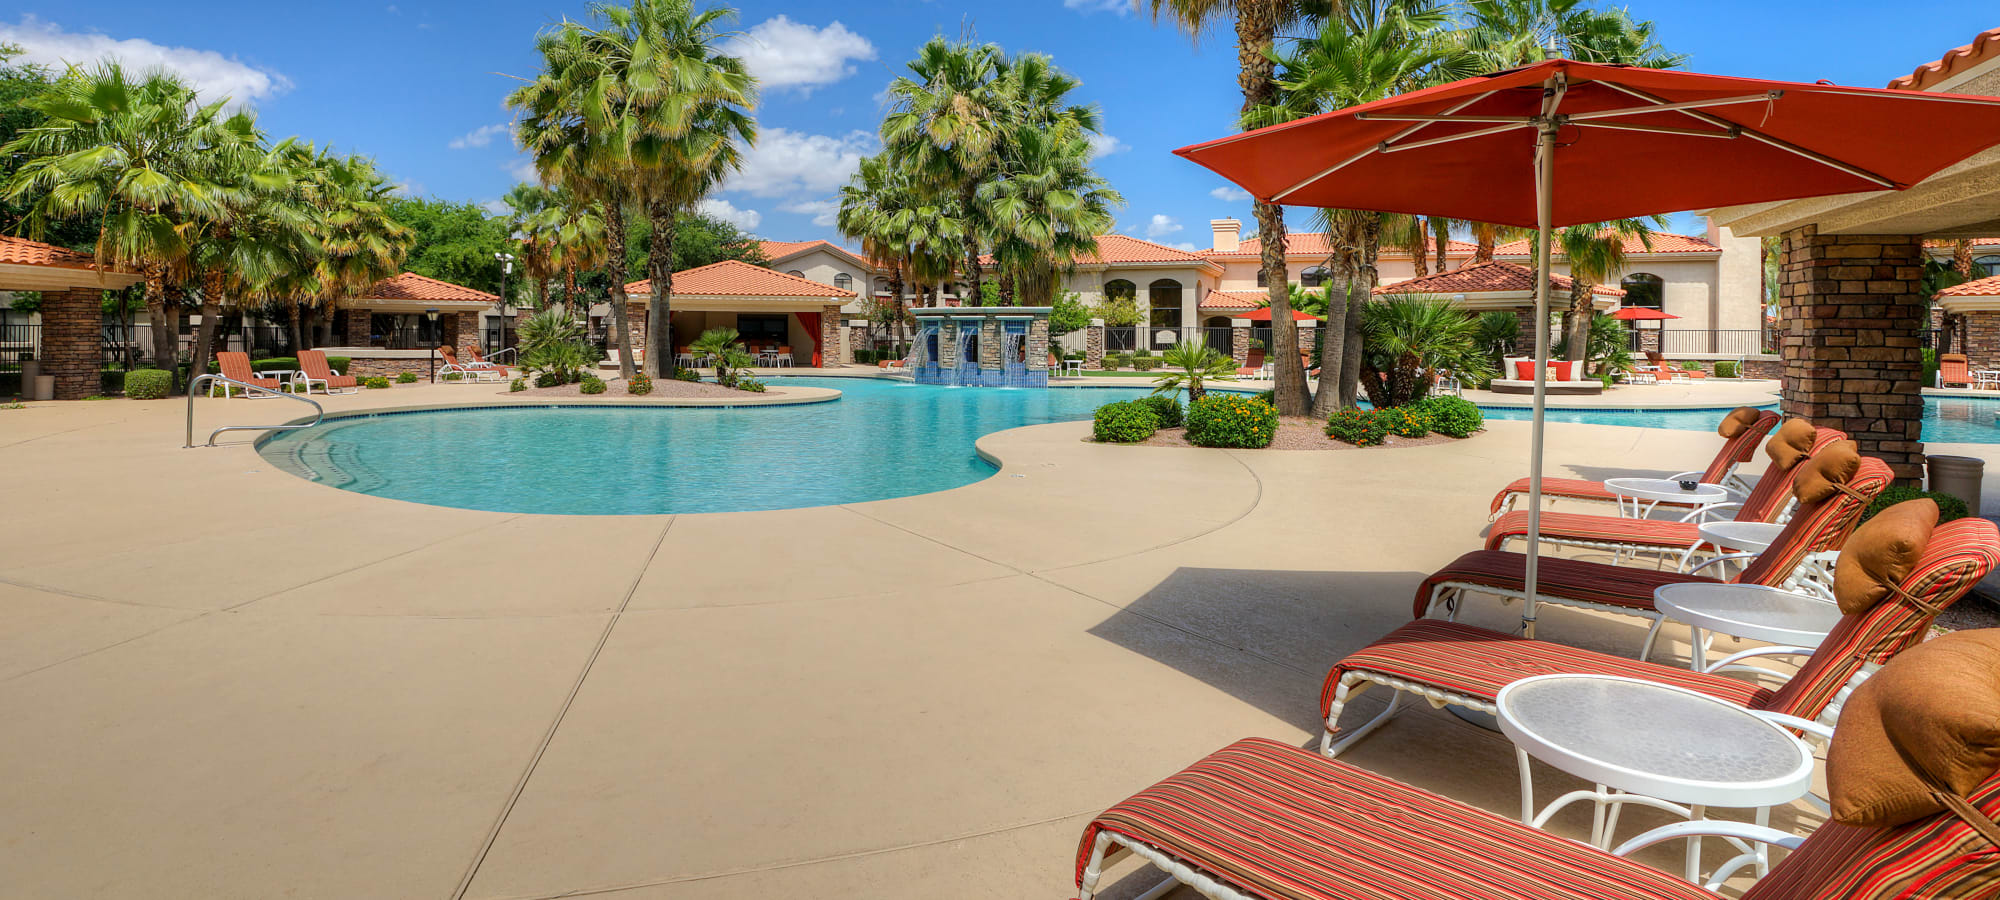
1721, 470
470, 372
235, 366
479, 360
1816, 527
1447, 663
1766, 503
1953, 368
313, 369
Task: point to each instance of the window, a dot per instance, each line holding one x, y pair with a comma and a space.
844, 281
796, 273
881, 285
767, 327
1261, 280
1164, 296
1114, 290
1313, 277
1643, 289
1986, 266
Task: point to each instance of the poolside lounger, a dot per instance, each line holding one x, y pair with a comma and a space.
1767, 502
1448, 663
1741, 431
1953, 368
469, 372
313, 370
1261, 820
235, 366
1831, 499
479, 360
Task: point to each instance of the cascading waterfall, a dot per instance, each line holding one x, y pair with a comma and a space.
926, 368
1013, 368
966, 368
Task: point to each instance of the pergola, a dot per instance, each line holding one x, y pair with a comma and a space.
722, 294
72, 286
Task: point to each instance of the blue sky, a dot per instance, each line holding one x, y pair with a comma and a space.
418, 85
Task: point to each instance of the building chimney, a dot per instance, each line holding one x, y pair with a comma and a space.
1226, 232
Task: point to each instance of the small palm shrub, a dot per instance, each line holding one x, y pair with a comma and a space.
1192, 366
1452, 416
686, 375
592, 385
746, 383
517, 385
377, 382
640, 385
1165, 408
549, 378
1949, 507
1125, 422
407, 378
1231, 420
1360, 427
148, 384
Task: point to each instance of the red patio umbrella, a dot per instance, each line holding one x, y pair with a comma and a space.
1621, 141
1641, 314
1263, 314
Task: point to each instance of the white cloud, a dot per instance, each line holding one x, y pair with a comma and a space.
824, 212
788, 55
746, 219
496, 207
213, 75
523, 170
479, 137
1105, 145
1161, 225
1121, 7
792, 162
1184, 245
1230, 194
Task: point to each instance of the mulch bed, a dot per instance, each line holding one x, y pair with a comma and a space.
1298, 433
663, 388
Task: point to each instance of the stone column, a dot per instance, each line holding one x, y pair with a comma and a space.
831, 352
358, 330
1239, 341
1038, 344
635, 326
1850, 310
990, 344
1308, 334
1981, 338
1093, 344
461, 331
947, 343
1524, 335
71, 321
857, 335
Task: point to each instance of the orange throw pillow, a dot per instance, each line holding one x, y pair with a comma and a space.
1881, 553
1835, 464
1524, 370
1929, 721
1738, 421
1792, 442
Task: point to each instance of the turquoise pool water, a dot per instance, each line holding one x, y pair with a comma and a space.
1949, 420
881, 439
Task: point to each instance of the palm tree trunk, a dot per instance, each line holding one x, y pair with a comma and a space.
211, 313
660, 269
1357, 307
896, 306
162, 325
1333, 344
1486, 235
1578, 321
614, 265
297, 314
1961, 257
1006, 288
968, 199
1420, 260
1441, 231
1256, 31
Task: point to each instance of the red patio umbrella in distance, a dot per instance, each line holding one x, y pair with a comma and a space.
1623, 142
1641, 314
1263, 314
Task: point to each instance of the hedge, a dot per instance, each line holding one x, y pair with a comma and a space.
1725, 370
1452, 416
1165, 408
1231, 420
1949, 506
148, 384
1125, 422
1360, 427
592, 385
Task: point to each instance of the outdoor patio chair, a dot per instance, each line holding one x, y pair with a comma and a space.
1453, 664
1769, 501
1741, 430
235, 366
1830, 499
480, 360
467, 372
313, 370
1262, 820
1954, 369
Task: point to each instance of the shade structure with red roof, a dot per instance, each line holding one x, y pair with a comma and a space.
720, 294
1563, 143
72, 311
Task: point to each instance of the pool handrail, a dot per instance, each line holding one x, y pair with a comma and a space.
319, 412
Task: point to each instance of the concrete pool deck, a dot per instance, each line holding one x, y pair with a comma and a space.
223, 681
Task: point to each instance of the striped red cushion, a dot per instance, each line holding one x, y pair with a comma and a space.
1570, 488
1930, 859
1478, 663
1586, 527
1570, 579
1735, 450
1282, 823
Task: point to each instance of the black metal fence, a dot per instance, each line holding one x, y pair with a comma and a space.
1222, 340
1121, 338
1683, 341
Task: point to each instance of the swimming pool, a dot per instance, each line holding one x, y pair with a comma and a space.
881, 439
1949, 420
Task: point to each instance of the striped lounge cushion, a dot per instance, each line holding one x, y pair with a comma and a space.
1281, 823
1570, 579
1605, 529
1568, 488
1478, 663
1939, 858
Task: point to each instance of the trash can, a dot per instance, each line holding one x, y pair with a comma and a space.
1959, 476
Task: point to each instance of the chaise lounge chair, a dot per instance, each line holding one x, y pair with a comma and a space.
1741, 430
1831, 497
468, 371
313, 370
235, 366
1769, 501
1449, 663
1954, 368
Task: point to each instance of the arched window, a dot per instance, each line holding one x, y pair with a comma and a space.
1261, 280
1643, 289
881, 285
844, 281
1989, 264
1164, 296
1118, 288
1314, 277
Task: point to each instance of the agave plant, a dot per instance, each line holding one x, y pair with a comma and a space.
1190, 365
552, 342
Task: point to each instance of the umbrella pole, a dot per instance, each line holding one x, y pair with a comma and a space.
1545, 159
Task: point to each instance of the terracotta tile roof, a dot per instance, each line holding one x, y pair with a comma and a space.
23, 252
1977, 243
1122, 248
1984, 287
1234, 299
413, 287
1663, 242
1982, 48
736, 278
1315, 243
1486, 278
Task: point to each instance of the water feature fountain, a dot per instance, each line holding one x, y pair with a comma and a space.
995, 346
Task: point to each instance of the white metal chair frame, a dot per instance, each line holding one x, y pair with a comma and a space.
301, 378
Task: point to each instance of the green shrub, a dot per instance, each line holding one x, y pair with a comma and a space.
1268, 398
339, 364
518, 384
1360, 427
746, 383
1165, 408
1125, 422
276, 364
1141, 353
1410, 421
377, 382
1725, 370
1452, 416
1108, 363
592, 385
452, 376
864, 357
406, 378
686, 375
640, 385
1231, 420
1930, 367
148, 384
549, 378
1949, 507
1144, 364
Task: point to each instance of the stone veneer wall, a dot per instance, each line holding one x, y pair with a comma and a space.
1851, 309
635, 328
989, 345
1038, 344
1979, 338
462, 329
71, 321
368, 367
1093, 344
833, 351
1239, 344
358, 327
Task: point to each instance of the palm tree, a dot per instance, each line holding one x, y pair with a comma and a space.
525, 204
1190, 365
1596, 255
570, 235
877, 207
944, 126
1048, 210
129, 155
1413, 337
360, 243
266, 235
1509, 33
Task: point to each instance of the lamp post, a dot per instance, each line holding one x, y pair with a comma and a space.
506, 307
432, 315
